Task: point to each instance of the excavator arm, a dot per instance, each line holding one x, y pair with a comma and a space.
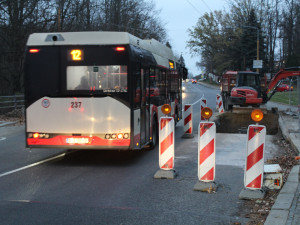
283, 73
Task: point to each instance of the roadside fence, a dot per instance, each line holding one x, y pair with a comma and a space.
11, 102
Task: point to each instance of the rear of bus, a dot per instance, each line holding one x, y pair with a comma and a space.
76, 93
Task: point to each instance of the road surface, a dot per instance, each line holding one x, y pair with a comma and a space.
110, 187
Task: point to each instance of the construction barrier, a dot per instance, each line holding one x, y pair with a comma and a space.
253, 177
217, 102
202, 105
220, 103
206, 151
188, 121
166, 143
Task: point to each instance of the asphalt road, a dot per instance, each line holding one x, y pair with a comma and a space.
105, 187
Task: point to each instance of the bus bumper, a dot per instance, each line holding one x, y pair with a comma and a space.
80, 142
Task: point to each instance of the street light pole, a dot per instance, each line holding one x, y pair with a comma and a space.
298, 90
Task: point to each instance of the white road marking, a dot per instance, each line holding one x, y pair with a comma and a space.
2, 138
32, 165
193, 103
26, 201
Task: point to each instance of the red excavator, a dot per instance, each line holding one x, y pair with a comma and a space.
246, 88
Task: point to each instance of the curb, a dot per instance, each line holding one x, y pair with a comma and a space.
3, 123
280, 211
292, 138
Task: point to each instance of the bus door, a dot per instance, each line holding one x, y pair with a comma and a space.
145, 106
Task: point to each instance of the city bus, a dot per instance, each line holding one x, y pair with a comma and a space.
98, 90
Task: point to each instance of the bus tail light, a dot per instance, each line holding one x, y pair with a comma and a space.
117, 136
120, 49
107, 136
34, 50
38, 135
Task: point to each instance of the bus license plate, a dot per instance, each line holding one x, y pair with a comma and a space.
77, 140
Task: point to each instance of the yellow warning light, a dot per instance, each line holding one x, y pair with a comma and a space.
206, 112
166, 109
257, 115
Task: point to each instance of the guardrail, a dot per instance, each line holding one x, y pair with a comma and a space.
11, 102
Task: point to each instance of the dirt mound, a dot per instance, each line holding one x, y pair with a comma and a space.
238, 122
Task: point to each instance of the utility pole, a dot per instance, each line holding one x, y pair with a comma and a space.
298, 90
257, 47
58, 15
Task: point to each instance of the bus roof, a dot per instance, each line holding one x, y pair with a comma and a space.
158, 49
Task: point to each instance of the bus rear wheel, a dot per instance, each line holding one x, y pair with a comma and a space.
154, 135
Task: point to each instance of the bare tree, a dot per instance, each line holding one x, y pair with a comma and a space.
19, 18
138, 17
16, 17
290, 17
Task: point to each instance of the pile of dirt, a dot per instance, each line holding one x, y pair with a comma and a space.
238, 122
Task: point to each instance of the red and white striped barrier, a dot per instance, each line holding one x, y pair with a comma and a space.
188, 121
206, 151
217, 102
220, 104
202, 105
253, 178
166, 143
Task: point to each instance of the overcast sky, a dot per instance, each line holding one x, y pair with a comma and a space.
181, 15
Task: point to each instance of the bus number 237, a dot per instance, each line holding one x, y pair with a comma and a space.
75, 105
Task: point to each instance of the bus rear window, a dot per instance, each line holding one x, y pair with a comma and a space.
112, 78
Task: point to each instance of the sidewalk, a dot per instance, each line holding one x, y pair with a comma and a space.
286, 210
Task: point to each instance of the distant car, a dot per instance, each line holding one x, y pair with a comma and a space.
284, 87
183, 88
194, 81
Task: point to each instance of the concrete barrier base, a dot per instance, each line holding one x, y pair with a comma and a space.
205, 186
187, 135
248, 194
165, 174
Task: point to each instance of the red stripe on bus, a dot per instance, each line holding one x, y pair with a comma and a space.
94, 141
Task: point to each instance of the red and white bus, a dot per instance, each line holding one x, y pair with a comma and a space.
98, 90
